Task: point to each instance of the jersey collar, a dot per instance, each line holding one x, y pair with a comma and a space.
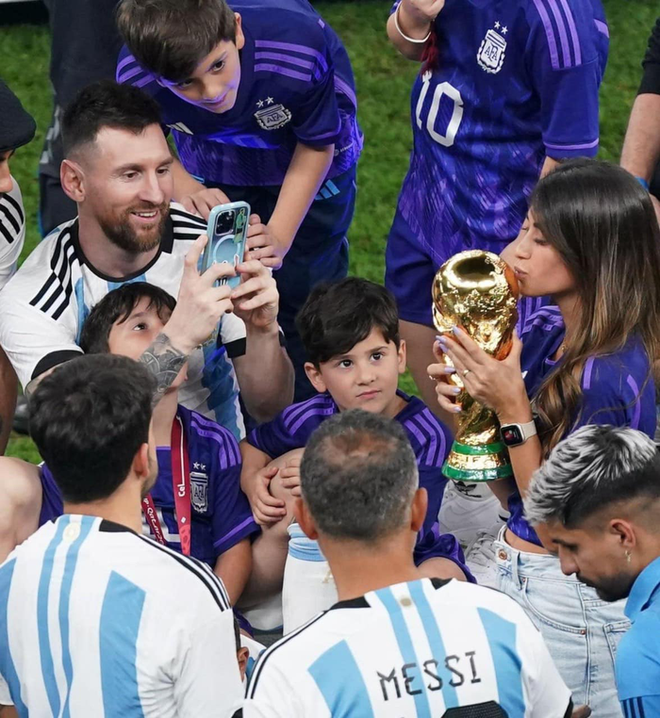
644, 591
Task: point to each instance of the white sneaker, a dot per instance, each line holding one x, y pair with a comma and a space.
480, 559
467, 510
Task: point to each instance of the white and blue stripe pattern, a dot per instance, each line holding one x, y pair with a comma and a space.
417, 649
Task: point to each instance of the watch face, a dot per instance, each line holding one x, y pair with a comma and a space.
512, 435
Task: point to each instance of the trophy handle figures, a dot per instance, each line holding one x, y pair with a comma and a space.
477, 291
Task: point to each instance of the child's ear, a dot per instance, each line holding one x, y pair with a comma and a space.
240, 37
242, 654
402, 356
315, 377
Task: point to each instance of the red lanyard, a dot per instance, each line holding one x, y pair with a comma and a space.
180, 489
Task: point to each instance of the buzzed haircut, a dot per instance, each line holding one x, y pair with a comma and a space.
594, 467
106, 104
171, 37
339, 315
358, 476
88, 419
117, 306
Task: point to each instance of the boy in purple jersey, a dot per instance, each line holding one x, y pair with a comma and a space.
350, 331
222, 524
506, 90
260, 100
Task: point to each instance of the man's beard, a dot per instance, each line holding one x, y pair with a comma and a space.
123, 235
150, 480
612, 588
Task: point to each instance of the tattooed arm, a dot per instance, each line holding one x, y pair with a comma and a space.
199, 308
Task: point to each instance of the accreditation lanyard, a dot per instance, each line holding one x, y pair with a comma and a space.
180, 489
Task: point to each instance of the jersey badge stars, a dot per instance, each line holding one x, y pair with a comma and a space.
199, 488
270, 116
493, 49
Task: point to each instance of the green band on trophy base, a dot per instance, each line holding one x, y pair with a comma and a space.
477, 475
483, 450
487, 462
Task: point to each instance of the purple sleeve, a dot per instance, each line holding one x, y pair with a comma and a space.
274, 439
567, 61
316, 121
433, 544
612, 395
232, 519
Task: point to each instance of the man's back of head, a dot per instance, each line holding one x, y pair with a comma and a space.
89, 419
359, 477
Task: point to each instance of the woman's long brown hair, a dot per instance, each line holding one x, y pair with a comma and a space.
603, 225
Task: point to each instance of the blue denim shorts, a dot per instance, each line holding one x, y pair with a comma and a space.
581, 630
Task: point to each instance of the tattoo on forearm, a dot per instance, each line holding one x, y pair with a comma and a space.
164, 362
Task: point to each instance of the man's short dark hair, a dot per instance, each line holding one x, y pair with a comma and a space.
88, 419
339, 315
358, 476
171, 37
106, 104
117, 306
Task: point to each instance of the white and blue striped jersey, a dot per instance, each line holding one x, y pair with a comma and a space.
96, 620
427, 648
44, 305
12, 231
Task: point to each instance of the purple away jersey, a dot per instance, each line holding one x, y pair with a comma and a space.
429, 439
517, 81
220, 516
617, 388
296, 86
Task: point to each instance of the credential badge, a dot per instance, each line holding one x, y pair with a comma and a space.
199, 491
492, 50
273, 117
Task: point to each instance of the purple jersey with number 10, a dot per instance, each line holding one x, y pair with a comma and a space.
296, 86
516, 81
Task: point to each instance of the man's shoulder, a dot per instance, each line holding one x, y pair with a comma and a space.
213, 434
185, 225
284, 20
638, 657
12, 216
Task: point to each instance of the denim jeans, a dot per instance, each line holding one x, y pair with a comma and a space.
582, 631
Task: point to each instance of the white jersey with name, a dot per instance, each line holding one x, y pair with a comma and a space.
98, 621
423, 649
43, 308
12, 231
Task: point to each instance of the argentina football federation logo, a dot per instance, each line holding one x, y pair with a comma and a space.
199, 488
271, 117
493, 49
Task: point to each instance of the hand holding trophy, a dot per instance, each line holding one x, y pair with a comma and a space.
477, 291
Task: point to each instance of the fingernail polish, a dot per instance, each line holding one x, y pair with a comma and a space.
439, 337
457, 410
449, 370
456, 390
456, 330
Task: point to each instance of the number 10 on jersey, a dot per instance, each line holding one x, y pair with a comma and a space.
444, 88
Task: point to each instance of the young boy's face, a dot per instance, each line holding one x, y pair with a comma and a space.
366, 377
214, 84
136, 334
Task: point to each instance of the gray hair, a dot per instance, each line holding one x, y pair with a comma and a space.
358, 476
593, 467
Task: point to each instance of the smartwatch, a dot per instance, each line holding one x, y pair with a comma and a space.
516, 434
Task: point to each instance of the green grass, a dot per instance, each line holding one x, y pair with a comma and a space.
383, 81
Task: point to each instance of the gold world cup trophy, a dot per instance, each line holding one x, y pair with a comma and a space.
478, 292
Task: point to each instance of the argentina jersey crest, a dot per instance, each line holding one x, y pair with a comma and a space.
199, 488
492, 50
271, 117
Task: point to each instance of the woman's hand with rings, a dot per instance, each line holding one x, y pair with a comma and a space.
496, 384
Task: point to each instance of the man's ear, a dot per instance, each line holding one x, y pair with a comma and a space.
420, 504
140, 463
624, 532
304, 519
315, 377
72, 180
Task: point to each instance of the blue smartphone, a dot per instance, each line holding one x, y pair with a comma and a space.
227, 232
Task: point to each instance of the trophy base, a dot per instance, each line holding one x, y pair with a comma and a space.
487, 462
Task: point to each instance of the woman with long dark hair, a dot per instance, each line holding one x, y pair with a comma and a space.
592, 242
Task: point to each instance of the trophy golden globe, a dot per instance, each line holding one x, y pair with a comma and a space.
478, 292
